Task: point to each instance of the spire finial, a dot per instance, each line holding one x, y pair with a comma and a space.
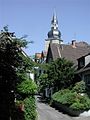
54, 16
54, 12
54, 22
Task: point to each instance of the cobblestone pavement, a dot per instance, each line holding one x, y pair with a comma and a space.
45, 112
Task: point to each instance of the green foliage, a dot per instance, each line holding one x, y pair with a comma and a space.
83, 103
61, 73
43, 66
14, 65
65, 96
58, 74
27, 87
77, 106
30, 108
72, 99
10, 61
26, 109
43, 81
11, 52
80, 87
18, 102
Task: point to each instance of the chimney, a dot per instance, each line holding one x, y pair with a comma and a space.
74, 43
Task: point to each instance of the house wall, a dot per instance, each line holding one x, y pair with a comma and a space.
32, 76
87, 60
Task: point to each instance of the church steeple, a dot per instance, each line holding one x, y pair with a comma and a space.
54, 22
54, 35
54, 32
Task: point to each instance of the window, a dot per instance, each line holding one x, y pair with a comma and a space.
81, 62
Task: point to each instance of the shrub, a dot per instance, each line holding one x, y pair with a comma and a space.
30, 108
82, 104
72, 99
27, 87
64, 96
80, 87
86, 101
18, 103
77, 106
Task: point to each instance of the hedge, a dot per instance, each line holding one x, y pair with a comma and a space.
72, 99
30, 108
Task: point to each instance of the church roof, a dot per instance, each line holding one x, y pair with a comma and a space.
69, 52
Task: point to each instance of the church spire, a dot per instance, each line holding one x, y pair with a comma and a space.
54, 22
54, 33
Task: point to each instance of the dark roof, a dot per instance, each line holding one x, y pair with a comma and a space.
84, 56
68, 52
86, 68
81, 44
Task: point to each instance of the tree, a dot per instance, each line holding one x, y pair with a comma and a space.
60, 73
43, 82
13, 61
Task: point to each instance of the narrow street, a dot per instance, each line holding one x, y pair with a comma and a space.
45, 112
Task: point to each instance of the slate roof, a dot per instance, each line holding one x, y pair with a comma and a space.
68, 52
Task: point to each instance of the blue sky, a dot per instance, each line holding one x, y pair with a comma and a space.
33, 18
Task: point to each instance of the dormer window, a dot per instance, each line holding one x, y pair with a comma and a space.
81, 62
